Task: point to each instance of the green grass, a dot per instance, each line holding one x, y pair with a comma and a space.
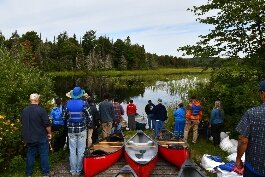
116, 73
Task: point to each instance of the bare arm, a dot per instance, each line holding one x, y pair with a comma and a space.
241, 149
49, 132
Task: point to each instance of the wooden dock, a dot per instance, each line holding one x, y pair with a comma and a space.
162, 169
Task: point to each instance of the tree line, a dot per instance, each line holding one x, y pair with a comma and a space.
90, 52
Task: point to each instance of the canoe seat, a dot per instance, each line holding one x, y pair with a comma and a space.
148, 143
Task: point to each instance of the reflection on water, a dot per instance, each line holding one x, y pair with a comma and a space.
139, 89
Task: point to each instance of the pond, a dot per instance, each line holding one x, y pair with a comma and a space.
171, 89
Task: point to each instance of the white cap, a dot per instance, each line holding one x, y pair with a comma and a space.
34, 96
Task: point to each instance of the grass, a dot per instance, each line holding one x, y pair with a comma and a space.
116, 73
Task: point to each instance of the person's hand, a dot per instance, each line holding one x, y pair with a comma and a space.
239, 167
49, 136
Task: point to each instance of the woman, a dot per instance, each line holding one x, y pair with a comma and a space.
216, 122
179, 115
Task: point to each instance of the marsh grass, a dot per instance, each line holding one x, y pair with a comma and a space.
116, 73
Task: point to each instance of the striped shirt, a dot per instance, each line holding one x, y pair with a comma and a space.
252, 125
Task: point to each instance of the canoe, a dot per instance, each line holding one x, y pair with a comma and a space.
141, 153
189, 168
125, 171
103, 154
172, 149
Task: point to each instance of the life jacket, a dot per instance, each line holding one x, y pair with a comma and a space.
57, 115
195, 109
75, 111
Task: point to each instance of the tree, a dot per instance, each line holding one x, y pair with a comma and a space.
238, 30
88, 42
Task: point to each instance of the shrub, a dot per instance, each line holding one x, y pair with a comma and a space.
17, 82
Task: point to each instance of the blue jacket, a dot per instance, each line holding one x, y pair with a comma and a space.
217, 116
180, 114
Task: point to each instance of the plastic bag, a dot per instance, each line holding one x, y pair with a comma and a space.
209, 164
226, 144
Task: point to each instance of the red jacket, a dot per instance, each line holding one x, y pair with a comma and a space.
131, 109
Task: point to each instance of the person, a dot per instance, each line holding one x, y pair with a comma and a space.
92, 123
106, 114
76, 115
193, 118
251, 139
119, 112
36, 133
131, 112
216, 122
149, 112
58, 125
179, 116
160, 116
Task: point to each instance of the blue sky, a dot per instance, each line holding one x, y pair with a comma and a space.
160, 25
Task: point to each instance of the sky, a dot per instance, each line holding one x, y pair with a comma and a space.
160, 25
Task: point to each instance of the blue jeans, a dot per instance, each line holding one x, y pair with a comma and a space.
149, 119
158, 126
41, 147
77, 145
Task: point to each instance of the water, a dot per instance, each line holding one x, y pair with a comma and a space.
139, 89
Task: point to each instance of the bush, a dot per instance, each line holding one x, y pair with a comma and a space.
235, 85
17, 82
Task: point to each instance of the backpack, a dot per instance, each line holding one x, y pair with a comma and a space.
57, 115
195, 109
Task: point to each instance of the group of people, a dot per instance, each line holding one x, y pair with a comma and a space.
81, 118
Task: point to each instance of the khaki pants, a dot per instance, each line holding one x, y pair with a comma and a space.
89, 137
189, 124
106, 127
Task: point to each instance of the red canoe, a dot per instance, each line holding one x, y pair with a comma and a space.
102, 155
141, 153
172, 149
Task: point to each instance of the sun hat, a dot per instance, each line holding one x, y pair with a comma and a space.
77, 93
68, 94
262, 86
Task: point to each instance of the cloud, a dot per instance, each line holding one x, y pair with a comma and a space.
160, 25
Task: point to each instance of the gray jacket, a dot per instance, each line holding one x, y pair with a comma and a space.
106, 111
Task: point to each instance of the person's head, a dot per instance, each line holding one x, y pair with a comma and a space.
77, 93
193, 97
58, 101
115, 99
106, 96
90, 99
217, 104
180, 105
262, 91
34, 98
131, 101
149, 101
159, 100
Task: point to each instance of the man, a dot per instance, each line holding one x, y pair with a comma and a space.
252, 139
131, 112
193, 118
160, 116
36, 132
119, 112
77, 115
106, 114
149, 112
